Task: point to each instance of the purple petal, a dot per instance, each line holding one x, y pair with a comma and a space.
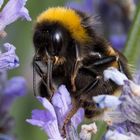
62, 103
78, 118
5, 137
61, 98
42, 119
47, 106
13, 10
128, 127
24, 14
46, 119
3, 80
35, 122
85, 6
8, 59
127, 114
75, 5
115, 135
41, 116
130, 108
106, 101
118, 41
15, 87
51, 128
115, 75
115, 116
88, 6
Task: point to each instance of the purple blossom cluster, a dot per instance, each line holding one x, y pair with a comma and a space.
115, 15
124, 122
121, 112
51, 120
16, 86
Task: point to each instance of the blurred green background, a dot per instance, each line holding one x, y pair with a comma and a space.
20, 34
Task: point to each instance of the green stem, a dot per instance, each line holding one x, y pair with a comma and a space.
132, 49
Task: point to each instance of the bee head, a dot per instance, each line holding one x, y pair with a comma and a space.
50, 38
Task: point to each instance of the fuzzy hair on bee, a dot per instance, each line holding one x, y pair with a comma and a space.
69, 51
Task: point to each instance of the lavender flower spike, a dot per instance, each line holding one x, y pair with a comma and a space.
113, 74
52, 119
46, 119
126, 117
115, 135
15, 87
106, 101
8, 59
62, 104
12, 89
13, 10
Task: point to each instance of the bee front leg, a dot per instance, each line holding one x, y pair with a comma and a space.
76, 67
43, 90
74, 74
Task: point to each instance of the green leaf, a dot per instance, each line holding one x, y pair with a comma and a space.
132, 49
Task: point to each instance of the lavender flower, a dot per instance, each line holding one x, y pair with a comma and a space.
13, 10
118, 40
113, 74
62, 104
125, 117
46, 119
106, 101
51, 120
10, 90
8, 59
115, 135
13, 88
5, 137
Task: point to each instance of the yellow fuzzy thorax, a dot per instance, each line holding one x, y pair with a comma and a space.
69, 19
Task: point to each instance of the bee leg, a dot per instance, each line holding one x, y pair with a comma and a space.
37, 69
49, 82
75, 68
43, 90
91, 85
74, 74
69, 116
103, 61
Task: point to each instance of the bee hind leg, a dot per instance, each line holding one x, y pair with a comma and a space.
68, 117
103, 61
92, 84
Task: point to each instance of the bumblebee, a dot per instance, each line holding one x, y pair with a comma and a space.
69, 51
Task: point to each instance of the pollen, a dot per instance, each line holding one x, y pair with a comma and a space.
69, 19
